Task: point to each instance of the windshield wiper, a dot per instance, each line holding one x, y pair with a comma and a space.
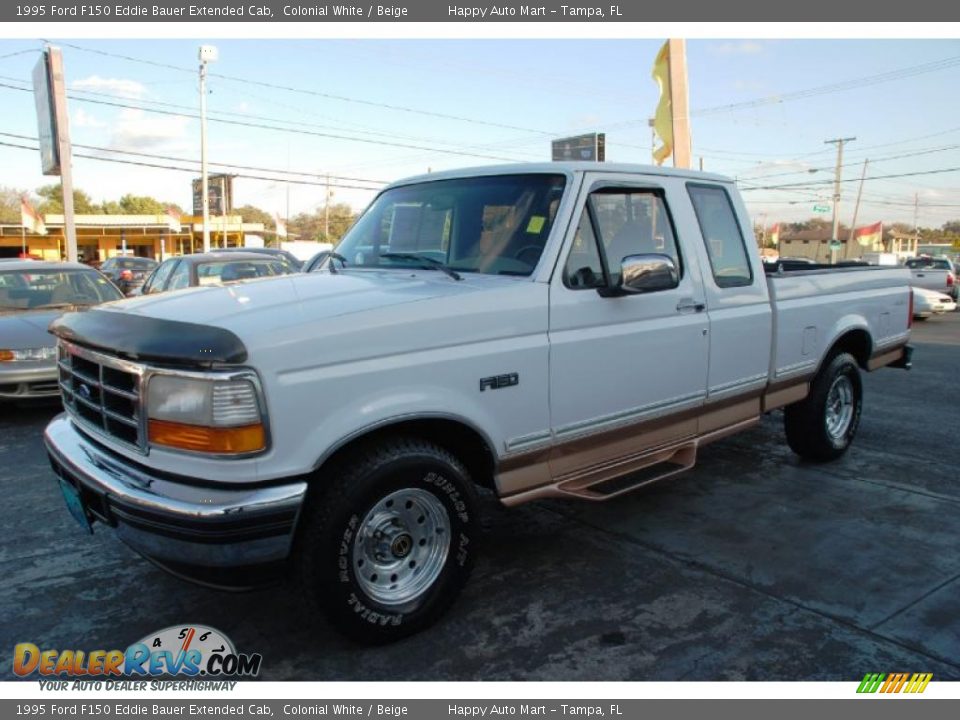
427, 263
52, 306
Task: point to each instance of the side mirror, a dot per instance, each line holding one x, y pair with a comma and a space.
645, 273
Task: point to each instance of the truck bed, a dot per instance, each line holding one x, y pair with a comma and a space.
814, 306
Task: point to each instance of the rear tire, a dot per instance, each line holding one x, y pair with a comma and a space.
387, 543
822, 426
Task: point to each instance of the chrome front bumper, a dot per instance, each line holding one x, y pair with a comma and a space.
22, 381
178, 525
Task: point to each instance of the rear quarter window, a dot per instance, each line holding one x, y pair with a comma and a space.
722, 236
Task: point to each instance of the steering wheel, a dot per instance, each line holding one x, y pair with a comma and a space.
526, 249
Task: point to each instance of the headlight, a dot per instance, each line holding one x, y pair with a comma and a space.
205, 414
31, 354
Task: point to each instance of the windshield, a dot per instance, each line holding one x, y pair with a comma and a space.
37, 289
496, 225
927, 264
215, 273
134, 263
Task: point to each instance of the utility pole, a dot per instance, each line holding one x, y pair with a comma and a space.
326, 212
916, 226
679, 103
839, 142
208, 53
856, 208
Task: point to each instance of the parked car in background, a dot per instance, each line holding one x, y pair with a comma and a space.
128, 273
295, 263
215, 268
930, 302
32, 294
933, 273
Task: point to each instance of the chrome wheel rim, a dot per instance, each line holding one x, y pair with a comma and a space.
401, 546
839, 407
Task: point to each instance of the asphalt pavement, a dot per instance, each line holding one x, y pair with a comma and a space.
753, 566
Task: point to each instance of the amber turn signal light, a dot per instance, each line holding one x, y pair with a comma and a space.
226, 440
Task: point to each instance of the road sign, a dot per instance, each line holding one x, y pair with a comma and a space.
581, 147
835, 245
821, 208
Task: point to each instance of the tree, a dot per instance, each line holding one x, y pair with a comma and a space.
253, 214
137, 205
311, 226
51, 201
141, 205
10, 204
341, 218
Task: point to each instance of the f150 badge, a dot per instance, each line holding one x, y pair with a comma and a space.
495, 382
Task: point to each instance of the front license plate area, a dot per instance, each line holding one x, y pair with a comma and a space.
75, 505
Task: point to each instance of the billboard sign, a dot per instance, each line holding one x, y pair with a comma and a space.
219, 195
591, 146
43, 96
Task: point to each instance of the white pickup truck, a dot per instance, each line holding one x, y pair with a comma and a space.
937, 274
566, 330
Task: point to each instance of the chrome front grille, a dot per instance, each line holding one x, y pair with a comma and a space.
103, 393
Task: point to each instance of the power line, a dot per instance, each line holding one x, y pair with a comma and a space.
100, 158
883, 158
19, 52
852, 84
262, 126
218, 164
875, 177
190, 110
314, 93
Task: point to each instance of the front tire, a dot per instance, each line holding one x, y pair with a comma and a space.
822, 426
387, 544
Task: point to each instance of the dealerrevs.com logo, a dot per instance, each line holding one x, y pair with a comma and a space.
191, 651
887, 683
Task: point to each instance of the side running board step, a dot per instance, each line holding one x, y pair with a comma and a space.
657, 466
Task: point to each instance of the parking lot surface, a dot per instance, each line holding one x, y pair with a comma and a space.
753, 566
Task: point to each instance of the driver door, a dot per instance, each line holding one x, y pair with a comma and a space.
629, 372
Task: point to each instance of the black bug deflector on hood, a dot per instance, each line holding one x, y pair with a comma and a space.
139, 337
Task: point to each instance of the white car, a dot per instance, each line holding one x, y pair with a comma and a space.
929, 302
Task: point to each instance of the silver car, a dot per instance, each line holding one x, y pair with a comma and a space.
32, 294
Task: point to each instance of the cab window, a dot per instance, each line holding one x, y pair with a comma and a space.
721, 235
615, 224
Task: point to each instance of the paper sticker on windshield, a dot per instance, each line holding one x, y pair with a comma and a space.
536, 224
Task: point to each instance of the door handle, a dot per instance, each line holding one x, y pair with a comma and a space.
690, 305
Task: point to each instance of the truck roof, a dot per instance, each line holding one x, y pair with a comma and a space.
564, 167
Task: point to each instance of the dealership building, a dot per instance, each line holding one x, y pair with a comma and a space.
104, 236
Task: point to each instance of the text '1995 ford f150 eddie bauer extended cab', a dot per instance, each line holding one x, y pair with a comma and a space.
571, 330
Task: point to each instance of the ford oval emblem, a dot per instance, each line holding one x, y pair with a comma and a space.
84, 391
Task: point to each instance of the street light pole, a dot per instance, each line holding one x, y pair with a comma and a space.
208, 53
839, 142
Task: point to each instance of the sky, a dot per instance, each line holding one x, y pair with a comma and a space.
368, 111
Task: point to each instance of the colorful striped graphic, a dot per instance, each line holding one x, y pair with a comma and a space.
894, 682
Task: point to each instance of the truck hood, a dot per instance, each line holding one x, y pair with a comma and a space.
302, 297
232, 324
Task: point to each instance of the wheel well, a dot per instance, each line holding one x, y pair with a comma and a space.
468, 445
855, 342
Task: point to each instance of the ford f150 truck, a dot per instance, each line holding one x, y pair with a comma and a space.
558, 330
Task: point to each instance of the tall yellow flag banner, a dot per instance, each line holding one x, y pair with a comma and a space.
663, 118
